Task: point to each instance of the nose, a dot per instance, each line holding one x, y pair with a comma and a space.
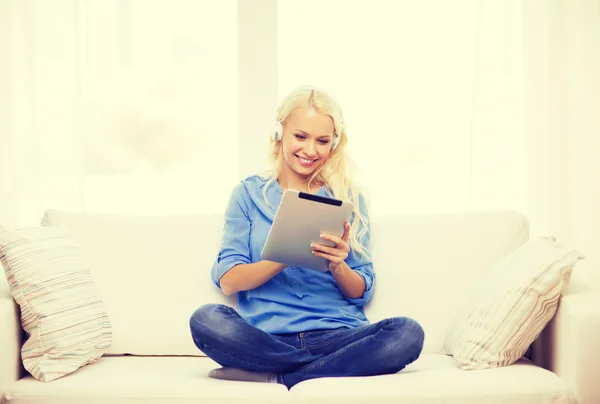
309, 149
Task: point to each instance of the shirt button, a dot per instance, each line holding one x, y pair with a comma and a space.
294, 281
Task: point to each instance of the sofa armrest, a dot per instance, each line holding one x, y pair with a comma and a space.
11, 337
570, 344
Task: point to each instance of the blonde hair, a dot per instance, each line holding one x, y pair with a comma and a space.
334, 172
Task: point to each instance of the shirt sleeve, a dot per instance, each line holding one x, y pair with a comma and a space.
362, 263
235, 242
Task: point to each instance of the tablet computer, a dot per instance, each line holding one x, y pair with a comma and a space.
299, 221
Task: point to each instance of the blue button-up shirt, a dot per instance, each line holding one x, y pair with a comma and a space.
296, 299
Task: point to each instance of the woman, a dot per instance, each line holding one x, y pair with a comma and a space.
296, 324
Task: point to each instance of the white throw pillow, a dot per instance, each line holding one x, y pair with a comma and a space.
513, 306
64, 317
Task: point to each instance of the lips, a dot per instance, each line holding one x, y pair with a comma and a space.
305, 162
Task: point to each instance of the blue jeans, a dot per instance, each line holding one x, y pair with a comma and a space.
382, 348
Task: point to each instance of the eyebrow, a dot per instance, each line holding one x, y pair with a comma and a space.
320, 137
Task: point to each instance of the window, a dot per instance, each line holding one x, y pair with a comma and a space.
414, 155
158, 104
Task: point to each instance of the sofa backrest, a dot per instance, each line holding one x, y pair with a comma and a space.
153, 272
426, 266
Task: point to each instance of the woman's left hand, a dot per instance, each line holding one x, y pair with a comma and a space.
337, 254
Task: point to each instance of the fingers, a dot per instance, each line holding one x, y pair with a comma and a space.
331, 258
334, 252
339, 242
337, 239
346, 232
335, 255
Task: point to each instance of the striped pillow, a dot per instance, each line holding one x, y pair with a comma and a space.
61, 311
513, 306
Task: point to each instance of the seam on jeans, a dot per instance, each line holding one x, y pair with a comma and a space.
338, 339
230, 310
333, 341
334, 355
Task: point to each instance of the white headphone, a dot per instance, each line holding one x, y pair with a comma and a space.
277, 134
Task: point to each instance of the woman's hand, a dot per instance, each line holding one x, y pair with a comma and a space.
335, 255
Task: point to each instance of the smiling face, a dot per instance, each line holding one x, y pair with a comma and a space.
307, 138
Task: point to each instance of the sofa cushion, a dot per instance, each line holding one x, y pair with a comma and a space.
512, 307
431, 379
61, 311
153, 272
425, 265
434, 379
148, 380
4, 289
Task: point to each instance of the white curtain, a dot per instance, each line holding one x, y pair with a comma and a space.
158, 107
117, 106
463, 105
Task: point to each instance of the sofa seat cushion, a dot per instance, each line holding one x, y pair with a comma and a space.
144, 379
433, 378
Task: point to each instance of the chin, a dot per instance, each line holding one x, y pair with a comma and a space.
305, 171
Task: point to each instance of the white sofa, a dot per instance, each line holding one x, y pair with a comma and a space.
153, 272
